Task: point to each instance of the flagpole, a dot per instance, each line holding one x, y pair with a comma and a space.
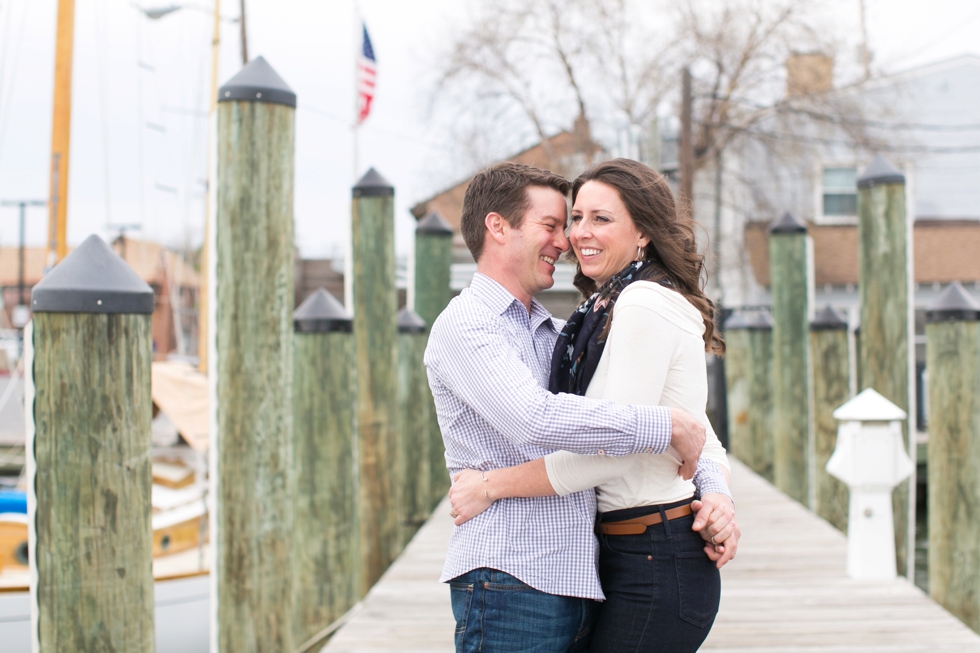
349, 248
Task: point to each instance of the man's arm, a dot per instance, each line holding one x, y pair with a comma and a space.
484, 371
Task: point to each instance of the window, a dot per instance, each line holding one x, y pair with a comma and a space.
840, 192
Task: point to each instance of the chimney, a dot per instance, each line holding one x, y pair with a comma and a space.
809, 73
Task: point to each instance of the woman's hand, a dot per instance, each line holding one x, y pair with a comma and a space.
467, 496
715, 521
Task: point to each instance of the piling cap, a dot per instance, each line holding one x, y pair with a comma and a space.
954, 304
408, 321
869, 406
257, 82
372, 184
434, 225
829, 319
756, 321
92, 279
787, 224
880, 171
321, 313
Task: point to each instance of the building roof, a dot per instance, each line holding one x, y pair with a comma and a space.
565, 145
944, 251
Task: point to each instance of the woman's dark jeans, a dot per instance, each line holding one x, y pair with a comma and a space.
662, 591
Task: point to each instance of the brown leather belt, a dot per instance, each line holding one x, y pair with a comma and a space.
639, 525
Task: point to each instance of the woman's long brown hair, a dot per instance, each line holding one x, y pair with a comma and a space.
672, 248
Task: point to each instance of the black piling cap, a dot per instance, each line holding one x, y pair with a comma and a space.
759, 321
257, 82
408, 321
372, 184
829, 319
434, 225
787, 224
880, 171
954, 305
321, 313
92, 279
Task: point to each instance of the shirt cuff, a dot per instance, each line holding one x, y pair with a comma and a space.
653, 428
708, 479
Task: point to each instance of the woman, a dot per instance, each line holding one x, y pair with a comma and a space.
636, 253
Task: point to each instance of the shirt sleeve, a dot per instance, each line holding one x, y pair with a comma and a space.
481, 368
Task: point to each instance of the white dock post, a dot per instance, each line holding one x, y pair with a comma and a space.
870, 458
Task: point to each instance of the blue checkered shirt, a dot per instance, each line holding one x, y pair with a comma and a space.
488, 362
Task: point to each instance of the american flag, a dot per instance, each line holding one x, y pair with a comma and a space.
366, 70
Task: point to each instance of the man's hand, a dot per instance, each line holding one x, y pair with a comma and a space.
687, 438
715, 521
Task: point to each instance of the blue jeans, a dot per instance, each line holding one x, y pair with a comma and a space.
662, 591
497, 613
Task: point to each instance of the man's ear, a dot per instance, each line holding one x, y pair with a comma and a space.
497, 227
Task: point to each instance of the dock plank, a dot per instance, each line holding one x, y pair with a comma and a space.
787, 592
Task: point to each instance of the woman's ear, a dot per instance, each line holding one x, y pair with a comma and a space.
496, 227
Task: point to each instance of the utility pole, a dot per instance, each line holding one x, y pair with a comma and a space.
23, 204
61, 133
244, 36
686, 154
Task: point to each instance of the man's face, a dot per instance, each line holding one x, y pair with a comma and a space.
533, 248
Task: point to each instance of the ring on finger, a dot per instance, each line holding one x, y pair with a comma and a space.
453, 514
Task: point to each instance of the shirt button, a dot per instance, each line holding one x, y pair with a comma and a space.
601, 452
649, 449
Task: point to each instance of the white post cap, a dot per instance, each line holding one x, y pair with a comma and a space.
869, 406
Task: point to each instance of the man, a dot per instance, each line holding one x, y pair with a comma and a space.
522, 574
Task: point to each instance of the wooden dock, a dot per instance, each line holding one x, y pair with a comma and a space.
786, 591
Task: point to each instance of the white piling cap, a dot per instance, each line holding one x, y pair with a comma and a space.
869, 406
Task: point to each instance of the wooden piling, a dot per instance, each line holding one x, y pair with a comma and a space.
91, 535
433, 261
325, 559
830, 362
414, 419
375, 303
252, 453
790, 265
748, 372
884, 242
953, 361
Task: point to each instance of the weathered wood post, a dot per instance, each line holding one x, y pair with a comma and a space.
91, 537
749, 351
325, 552
884, 252
953, 361
790, 265
252, 453
375, 304
831, 389
414, 419
433, 262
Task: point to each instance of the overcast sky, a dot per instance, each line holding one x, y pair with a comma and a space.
141, 86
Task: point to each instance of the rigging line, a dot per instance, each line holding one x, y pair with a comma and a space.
4, 111
785, 108
100, 36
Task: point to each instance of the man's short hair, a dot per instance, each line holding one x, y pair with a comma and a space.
502, 189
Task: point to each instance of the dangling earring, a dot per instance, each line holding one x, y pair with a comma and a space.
639, 252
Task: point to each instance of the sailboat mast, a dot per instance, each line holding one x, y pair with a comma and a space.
202, 295
61, 134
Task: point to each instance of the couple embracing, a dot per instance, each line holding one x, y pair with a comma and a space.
590, 495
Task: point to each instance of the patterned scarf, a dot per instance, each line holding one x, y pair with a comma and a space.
580, 343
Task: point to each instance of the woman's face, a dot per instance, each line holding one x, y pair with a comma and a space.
603, 234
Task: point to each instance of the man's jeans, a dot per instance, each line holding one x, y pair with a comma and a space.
496, 613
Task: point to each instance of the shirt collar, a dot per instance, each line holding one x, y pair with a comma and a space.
499, 299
